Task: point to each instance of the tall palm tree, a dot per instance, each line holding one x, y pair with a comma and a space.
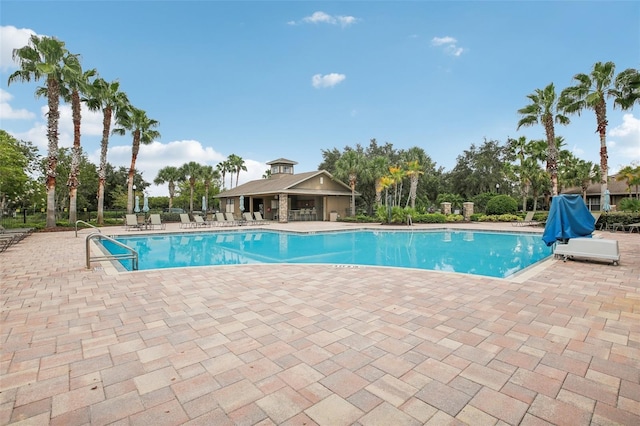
108, 98
414, 170
43, 58
170, 175
516, 147
237, 165
191, 171
75, 82
591, 92
209, 175
543, 109
631, 175
143, 130
349, 165
377, 169
397, 175
223, 168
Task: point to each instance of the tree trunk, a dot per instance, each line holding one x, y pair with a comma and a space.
601, 117
102, 172
100, 218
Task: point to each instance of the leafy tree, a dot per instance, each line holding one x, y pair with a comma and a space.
330, 158
108, 98
349, 166
191, 172
502, 204
591, 92
170, 175
13, 169
43, 58
143, 130
543, 109
236, 165
478, 169
87, 173
631, 175
74, 82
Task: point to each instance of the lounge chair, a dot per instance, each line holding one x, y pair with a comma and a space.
259, 218
7, 240
199, 221
596, 217
248, 219
18, 233
131, 222
633, 226
230, 219
185, 222
221, 220
527, 221
590, 248
156, 221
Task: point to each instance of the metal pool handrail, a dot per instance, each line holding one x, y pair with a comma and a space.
133, 255
82, 221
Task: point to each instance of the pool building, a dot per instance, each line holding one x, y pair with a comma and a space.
287, 196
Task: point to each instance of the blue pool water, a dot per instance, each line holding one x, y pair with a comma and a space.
479, 253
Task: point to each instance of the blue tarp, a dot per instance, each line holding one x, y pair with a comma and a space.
568, 218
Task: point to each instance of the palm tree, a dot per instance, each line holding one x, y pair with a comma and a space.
237, 165
543, 109
377, 169
349, 165
74, 82
43, 58
108, 98
143, 130
516, 147
191, 171
397, 174
583, 173
224, 167
169, 175
208, 175
631, 175
591, 92
414, 170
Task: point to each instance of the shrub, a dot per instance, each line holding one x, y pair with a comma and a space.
431, 218
502, 204
629, 205
454, 218
476, 217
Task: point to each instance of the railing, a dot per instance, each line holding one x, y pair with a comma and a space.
88, 224
132, 254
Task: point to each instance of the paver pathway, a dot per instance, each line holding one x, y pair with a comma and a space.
305, 344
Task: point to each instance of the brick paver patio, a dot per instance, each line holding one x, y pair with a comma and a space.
315, 344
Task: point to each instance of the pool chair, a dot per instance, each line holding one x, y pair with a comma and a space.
131, 222
259, 218
248, 219
18, 233
633, 226
199, 221
156, 221
220, 220
7, 240
230, 219
185, 222
527, 221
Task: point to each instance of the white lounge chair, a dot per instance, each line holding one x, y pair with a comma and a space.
259, 218
230, 219
154, 220
185, 222
131, 222
527, 221
590, 248
221, 220
249, 220
198, 221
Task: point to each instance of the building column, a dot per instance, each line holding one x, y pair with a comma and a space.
283, 208
446, 208
467, 210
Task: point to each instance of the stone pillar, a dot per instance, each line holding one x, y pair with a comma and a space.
467, 210
283, 208
446, 208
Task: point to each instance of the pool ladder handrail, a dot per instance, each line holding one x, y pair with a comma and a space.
133, 255
86, 223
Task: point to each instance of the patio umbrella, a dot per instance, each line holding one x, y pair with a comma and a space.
145, 204
607, 201
137, 207
204, 204
242, 203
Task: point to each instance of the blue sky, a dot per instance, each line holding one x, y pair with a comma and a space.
265, 80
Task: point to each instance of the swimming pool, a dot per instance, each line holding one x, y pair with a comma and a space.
479, 253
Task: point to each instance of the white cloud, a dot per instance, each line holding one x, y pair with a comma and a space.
626, 144
324, 18
8, 113
12, 38
328, 80
157, 155
448, 44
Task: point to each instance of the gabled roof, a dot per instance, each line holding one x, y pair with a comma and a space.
281, 161
284, 184
615, 187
